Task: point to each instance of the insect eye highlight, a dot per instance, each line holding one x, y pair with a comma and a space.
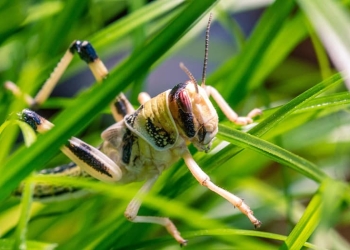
184, 102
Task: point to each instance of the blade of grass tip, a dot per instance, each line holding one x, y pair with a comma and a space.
91, 102
21, 230
334, 32
272, 151
29, 134
331, 101
7, 138
3, 126
308, 222
29, 74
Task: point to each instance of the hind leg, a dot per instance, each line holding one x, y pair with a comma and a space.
131, 213
87, 157
86, 52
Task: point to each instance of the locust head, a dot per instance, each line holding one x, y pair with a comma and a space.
194, 114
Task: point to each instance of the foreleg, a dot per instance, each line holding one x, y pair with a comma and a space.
134, 206
204, 180
228, 111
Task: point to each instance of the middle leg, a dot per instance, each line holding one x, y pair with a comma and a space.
131, 213
122, 107
86, 52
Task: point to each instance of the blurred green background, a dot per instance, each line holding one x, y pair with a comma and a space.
292, 168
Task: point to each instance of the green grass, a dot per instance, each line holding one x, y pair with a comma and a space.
291, 167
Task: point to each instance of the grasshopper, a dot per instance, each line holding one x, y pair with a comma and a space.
143, 142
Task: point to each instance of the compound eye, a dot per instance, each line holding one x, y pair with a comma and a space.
184, 102
201, 134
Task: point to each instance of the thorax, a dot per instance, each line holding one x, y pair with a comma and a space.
137, 159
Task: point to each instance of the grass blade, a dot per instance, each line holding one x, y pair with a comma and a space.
272, 151
21, 230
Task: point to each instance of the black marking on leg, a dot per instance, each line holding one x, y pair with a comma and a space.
160, 136
83, 152
128, 141
131, 118
31, 118
85, 51
120, 106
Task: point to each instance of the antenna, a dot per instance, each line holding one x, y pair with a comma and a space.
206, 50
189, 74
